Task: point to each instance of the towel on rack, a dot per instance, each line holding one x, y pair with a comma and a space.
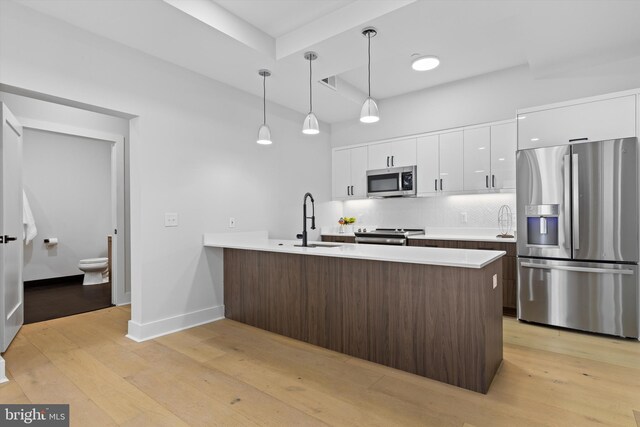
30, 230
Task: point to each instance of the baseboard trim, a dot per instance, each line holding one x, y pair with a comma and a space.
140, 332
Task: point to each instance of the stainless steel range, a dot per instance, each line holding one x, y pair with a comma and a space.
387, 236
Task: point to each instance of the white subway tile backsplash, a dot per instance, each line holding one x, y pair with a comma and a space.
432, 212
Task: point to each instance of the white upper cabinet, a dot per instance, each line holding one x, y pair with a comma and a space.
392, 154
451, 155
379, 156
358, 163
504, 139
349, 173
428, 158
403, 152
341, 173
477, 158
589, 121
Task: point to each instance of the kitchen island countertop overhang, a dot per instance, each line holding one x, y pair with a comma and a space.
259, 241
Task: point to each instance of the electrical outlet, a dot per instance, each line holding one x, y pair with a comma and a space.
232, 222
463, 217
170, 219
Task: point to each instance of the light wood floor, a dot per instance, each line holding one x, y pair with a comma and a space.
226, 373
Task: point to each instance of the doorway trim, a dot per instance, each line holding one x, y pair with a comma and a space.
119, 295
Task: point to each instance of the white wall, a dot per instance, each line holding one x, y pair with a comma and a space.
487, 98
68, 182
193, 152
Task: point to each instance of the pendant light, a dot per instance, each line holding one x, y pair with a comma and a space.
310, 126
264, 133
369, 112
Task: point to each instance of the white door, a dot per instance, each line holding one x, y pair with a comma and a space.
427, 164
358, 163
504, 139
11, 229
403, 152
451, 162
477, 159
341, 174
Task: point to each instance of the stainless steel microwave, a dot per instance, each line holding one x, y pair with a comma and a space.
392, 182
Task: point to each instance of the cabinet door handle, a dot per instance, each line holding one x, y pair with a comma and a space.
486, 180
436, 184
392, 161
387, 161
348, 191
440, 184
493, 181
352, 190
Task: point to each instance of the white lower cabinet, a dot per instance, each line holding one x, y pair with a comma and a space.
589, 121
349, 173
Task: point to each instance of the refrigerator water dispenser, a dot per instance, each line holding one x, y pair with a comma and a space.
542, 225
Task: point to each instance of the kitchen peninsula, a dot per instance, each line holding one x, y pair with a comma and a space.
430, 311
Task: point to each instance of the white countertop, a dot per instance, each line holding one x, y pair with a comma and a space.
473, 235
259, 241
467, 238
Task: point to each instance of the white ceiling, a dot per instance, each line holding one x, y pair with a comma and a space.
229, 40
278, 17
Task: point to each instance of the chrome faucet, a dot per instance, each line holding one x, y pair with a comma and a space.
303, 236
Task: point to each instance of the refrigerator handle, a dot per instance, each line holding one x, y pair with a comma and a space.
567, 201
576, 268
575, 190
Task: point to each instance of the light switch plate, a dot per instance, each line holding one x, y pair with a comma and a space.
170, 219
495, 281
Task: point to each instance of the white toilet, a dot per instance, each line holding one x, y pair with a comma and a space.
96, 270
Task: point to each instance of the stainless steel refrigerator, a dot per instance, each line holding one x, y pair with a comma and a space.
578, 242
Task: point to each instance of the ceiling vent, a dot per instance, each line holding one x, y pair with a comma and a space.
330, 82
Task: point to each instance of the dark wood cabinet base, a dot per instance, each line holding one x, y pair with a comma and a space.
509, 264
443, 323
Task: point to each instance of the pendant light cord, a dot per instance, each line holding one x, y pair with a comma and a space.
369, 62
264, 99
310, 91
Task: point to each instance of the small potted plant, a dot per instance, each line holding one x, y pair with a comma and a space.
344, 221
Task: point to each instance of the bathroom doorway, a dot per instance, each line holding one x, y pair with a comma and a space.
74, 180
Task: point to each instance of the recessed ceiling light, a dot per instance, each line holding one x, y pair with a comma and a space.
425, 63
